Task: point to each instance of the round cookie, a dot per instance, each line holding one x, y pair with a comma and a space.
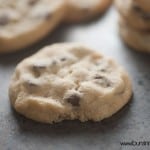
23, 22
83, 10
69, 81
133, 13
139, 40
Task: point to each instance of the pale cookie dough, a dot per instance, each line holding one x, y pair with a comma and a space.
83, 10
69, 81
133, 13
138, 40
23, 22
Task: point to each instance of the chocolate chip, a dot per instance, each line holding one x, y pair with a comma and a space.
103, 70
38, 69
32, 2
103, 81
63, 59
98, 77
4, 20
74, 100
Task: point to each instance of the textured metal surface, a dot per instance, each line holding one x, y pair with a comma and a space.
131, 123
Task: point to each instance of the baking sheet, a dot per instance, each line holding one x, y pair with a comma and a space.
132, 123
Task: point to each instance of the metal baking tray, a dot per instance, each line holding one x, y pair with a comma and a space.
131, 124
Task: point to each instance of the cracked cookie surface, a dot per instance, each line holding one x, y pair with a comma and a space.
69, 81
23, 22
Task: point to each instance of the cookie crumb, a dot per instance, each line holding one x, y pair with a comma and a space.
37, 69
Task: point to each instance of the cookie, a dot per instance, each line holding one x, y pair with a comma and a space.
83, 10
66, 82
139, 40
23, 22
133, 13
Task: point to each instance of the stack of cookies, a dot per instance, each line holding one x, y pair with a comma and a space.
134, 23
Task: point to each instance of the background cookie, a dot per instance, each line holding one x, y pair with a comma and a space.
82, 10
134, 14
68, 81
23, 22
138, 40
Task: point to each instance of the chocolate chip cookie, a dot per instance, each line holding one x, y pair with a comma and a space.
69, 81
23, 22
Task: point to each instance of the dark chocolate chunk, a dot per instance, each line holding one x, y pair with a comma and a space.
4, 20
73, 100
